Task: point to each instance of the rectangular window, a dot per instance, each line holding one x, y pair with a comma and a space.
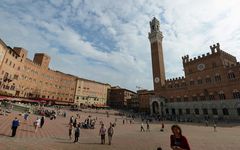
167, 112
211, 97
238, 111
173, 111
205, 111
225, 112
214, 111
180, 111
187, 111
196, 111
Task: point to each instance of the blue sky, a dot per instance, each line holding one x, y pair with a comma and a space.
107, 40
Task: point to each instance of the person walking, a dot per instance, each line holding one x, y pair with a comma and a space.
178, 141
110, 134
148, 126
42, 121
162, 129
75, 123
37, 124
70, 130
15, 124
25, 116
71, 119
142, 128
77, 133
215, 126
102, 133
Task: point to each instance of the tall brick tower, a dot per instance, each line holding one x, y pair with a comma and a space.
155, 38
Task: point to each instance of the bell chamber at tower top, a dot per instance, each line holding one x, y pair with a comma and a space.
154, 24
155, 34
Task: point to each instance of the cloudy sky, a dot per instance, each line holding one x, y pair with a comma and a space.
107, 40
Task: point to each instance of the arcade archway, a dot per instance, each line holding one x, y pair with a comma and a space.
155, 107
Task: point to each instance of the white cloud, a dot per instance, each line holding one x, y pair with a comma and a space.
188, 28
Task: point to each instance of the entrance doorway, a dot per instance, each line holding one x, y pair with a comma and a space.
155, 107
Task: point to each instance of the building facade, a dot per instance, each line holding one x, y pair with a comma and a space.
119, 97
10, 70
91, 93
209, 89
144, 100
24, 78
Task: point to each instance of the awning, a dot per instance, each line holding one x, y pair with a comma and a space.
3, 97
62, 103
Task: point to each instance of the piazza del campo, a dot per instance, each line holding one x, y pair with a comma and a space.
64, 99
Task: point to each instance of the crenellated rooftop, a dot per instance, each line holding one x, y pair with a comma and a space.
175, 79
215, 49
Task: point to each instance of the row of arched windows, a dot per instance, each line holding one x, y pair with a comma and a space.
200, 81
202, 97
196, 111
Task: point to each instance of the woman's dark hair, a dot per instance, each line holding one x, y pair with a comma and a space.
178, 127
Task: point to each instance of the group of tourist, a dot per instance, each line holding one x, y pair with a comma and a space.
177, 140
75, 125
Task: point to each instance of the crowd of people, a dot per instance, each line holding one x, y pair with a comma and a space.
177, 140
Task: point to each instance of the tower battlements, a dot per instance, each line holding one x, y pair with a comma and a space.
215, 50
175, 79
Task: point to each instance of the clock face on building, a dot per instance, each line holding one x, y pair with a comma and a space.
156, 80
201, 67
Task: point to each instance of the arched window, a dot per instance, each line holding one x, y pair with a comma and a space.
199, 80
194, 98
178, 99
217, 78
185, 98
231, 75
236, 94
202, 97
211, 96
221, 95
208, 79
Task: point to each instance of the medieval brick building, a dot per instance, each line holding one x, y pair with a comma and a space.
209, 89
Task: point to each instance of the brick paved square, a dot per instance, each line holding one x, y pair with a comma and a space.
54, 135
